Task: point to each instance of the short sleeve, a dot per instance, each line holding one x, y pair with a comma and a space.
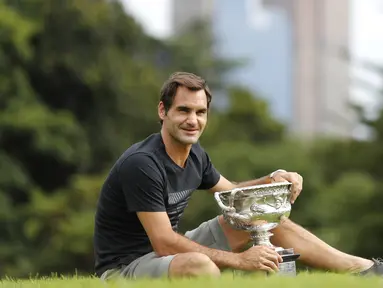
210, 176
142, 184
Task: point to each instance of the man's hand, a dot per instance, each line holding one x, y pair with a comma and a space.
294, 178
259, 258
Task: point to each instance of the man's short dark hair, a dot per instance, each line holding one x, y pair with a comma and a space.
185, 79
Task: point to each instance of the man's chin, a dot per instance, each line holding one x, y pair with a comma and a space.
189, 140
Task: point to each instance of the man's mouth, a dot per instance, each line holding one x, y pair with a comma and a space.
190, 131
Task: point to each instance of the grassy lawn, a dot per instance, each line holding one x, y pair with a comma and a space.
305, 280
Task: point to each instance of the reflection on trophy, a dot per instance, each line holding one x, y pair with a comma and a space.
258, 209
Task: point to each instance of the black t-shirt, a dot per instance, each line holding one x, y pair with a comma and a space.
144, 178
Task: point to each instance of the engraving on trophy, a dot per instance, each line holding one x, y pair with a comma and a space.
257, 210
278, 202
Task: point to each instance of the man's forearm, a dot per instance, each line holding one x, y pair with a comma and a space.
259, 181
181, 244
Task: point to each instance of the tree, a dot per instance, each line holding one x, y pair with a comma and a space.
77, 78
74, 83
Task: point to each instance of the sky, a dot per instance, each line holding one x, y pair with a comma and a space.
154, 15
366, 28
367, 43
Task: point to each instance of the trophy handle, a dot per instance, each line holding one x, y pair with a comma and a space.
231, 210
221, 205
231, 200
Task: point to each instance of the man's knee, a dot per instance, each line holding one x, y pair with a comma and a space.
192, 264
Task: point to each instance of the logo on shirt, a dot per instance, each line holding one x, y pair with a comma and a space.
177, 197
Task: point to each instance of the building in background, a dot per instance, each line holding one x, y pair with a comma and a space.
292, 48
259, 37
184, 12
321, 82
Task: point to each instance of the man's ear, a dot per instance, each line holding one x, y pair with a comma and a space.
161, 110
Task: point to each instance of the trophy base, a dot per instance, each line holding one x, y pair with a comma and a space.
288, 266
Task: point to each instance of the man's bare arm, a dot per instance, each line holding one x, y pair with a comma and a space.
167, 242
224, 184
279, 176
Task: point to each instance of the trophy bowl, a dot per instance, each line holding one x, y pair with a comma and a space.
257, 210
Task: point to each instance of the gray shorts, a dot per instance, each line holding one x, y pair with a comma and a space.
208, 234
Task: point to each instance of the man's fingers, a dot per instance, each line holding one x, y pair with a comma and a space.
266, 268
270, 264
279, 258
275, 257
271, 255
295, 193
278, 178
296, 181
294, 196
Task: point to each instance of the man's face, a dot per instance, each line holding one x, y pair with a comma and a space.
187, 117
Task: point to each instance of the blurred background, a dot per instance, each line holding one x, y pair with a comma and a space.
297, 84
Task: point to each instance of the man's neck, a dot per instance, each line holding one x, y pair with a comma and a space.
176, 151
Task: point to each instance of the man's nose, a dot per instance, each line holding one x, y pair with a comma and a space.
192, 119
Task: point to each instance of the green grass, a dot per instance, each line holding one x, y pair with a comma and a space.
305, 280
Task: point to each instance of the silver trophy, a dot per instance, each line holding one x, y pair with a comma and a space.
257, 210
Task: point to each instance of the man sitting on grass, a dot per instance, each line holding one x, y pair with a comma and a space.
148, 188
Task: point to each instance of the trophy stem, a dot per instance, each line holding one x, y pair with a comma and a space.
287, 267
261, 238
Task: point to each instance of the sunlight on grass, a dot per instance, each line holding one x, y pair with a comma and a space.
227, 280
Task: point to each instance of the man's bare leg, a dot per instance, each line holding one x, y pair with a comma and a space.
314, 252
237, 239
